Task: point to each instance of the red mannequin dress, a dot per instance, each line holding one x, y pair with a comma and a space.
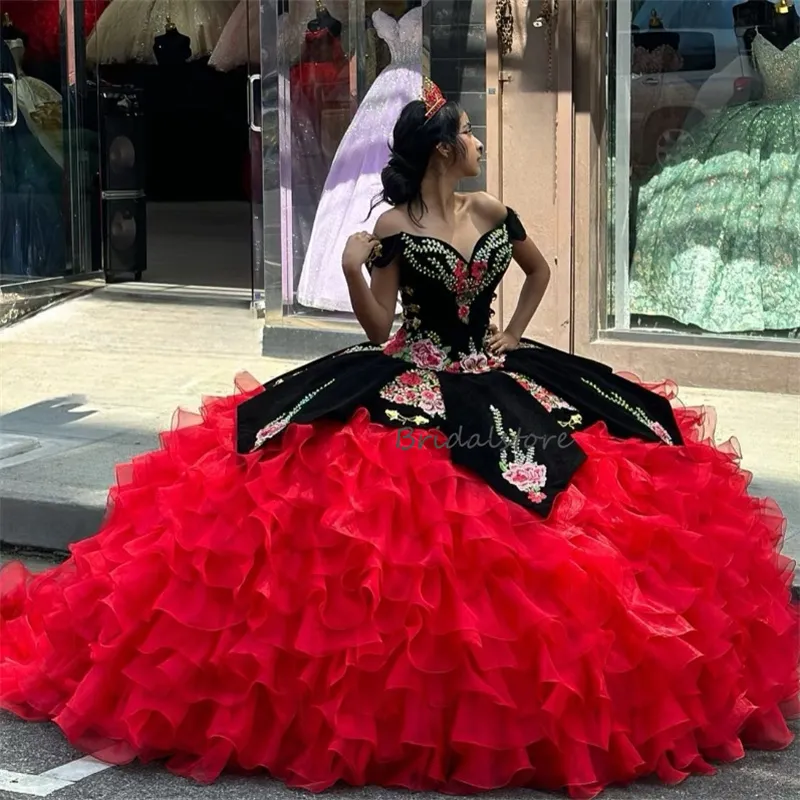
39, 19
420, 565
320, 92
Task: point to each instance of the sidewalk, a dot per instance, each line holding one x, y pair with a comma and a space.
90, 383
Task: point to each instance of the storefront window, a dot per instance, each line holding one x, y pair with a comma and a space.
46, 153
704, 168
343, 70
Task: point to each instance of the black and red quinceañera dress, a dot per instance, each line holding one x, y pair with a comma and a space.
418, 565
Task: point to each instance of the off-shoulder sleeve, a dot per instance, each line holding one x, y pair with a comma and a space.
385, 252
516, 230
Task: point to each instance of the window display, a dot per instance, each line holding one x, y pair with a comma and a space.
354, 180
347, 68
45, 151
713, 187
32, 242
127, 29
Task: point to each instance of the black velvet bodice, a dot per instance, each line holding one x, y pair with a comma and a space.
446, 297
510, 418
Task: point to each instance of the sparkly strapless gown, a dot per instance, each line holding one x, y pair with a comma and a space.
354, 179
418, 565
718, 229
240, 41
127, 28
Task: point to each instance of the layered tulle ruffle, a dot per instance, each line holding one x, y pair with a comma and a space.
338, 608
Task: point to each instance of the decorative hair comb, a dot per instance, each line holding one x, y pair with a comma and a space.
432, 97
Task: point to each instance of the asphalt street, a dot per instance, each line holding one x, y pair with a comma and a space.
28, 750
32, 749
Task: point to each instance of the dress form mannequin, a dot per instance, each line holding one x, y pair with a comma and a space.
778, 22
785, 25
172, 47
127, 29
321, 111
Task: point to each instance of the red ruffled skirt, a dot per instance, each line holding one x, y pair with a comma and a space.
334, 608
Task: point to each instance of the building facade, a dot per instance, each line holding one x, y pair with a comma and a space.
622, 132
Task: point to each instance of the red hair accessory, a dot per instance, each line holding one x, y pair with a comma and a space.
432, 97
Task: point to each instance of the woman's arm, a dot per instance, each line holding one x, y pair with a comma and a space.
533, 264
537, 277
374, 303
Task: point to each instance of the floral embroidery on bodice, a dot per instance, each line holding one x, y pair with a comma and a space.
779, 69
509, 419
446, 299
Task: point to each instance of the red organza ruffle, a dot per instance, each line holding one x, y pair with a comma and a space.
335, 608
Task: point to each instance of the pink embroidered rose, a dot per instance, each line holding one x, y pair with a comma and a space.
497, 362
461, 269
396, 344
425, 353
407, 397
431, 401
526, 477
454, 366
475, 362
463, 312
478, 268
536, 497
410, 379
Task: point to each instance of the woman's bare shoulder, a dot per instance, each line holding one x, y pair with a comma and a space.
486, 207
391, 222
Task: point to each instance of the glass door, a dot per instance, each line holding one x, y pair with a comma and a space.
252, 30
335, 75
45, 149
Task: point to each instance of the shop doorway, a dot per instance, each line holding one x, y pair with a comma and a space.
189, 64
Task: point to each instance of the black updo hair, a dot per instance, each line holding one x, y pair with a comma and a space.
413, 141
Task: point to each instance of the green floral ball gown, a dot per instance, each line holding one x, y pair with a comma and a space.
718, 228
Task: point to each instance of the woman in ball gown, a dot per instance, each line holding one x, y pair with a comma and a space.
455, 560
718, 228
127, 29
354, 178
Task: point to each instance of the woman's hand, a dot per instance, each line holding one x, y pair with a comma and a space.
358, 249
501, 342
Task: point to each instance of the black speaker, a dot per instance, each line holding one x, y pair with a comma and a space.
122, 181
124, 235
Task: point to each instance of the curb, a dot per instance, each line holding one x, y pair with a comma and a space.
31, 524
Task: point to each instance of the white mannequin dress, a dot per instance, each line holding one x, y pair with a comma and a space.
127, 29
